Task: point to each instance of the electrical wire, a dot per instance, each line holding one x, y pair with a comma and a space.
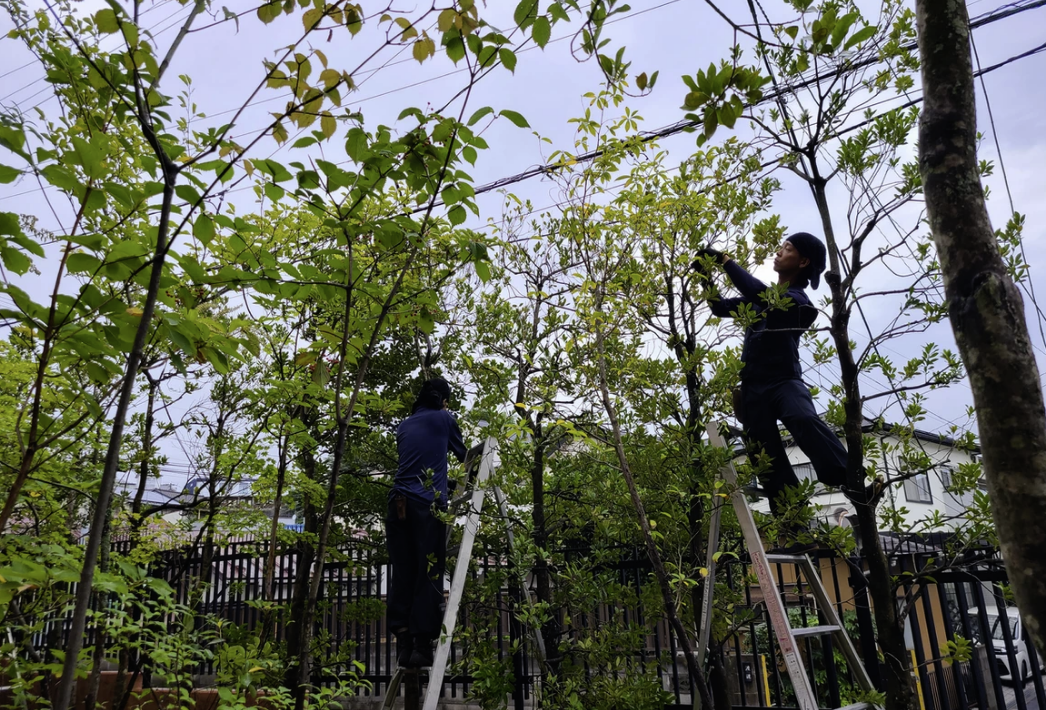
1029, 286
43, 79
857, 303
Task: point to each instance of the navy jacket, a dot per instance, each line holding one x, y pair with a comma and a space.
771, 347
423, 440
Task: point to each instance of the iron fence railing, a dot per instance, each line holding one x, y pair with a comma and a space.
995, 668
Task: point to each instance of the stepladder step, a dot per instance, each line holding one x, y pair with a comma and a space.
801, 587
815, 630
786, 559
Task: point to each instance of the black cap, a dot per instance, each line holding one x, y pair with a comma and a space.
433, 394
813, 249
439, 385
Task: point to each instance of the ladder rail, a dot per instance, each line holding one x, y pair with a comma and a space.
772, 596
787, 637
499, 498
831, 617
705, 629
457, 586
393, 689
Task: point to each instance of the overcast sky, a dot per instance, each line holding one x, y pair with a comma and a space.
674, 37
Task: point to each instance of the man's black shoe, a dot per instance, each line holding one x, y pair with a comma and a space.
404, 647
422, 655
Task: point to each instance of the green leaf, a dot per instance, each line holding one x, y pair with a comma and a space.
483, 271
456, 215
270, 11
516, 118
455, 49
541, 31
90, 157
62, 179
486, 55
524, 10
356, 144
508, 58
694, 99
106, 21
9, 223
188, 193
97, 373
203, 228
273, 191
15, 260
842, 27
328, 124
311, 18
422, 50
486, 110
711, 121
130, 34
8, 174
860, 36
726, 115
12, 138
127, 249
425, 323
120, 193
81, 263
792, 31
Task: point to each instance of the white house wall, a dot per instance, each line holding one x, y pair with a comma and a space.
948, 504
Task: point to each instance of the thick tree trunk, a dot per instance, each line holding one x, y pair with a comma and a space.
900, 690
986, 309
298, 635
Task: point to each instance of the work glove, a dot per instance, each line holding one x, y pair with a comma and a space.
699, 264
703, 252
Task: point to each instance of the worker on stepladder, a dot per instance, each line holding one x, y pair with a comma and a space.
772, 388
415, 535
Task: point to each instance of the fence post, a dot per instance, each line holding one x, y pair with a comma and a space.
515, 629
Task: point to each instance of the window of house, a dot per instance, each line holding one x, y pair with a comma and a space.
917, 489
804, 472
946, 476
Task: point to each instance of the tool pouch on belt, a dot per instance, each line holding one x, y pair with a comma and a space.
739, 403
401, 507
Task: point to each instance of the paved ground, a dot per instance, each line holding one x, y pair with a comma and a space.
1030, 700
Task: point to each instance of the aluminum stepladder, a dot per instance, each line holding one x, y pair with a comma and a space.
787, 637
474, 507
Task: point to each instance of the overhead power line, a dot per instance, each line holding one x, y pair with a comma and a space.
687, 124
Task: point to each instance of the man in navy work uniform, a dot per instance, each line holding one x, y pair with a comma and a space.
772, 388
416, 537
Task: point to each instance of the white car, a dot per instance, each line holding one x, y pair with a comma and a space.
1022, 647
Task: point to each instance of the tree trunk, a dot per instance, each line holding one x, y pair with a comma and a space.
542, 577
298, 637
78, 622
698, 680
985, 307
900, 690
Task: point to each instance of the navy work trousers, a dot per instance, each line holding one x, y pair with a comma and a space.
789, 402
418, 551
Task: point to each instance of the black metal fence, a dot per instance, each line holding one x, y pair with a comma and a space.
967, 645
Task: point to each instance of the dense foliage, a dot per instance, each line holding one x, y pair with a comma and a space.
166, 327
